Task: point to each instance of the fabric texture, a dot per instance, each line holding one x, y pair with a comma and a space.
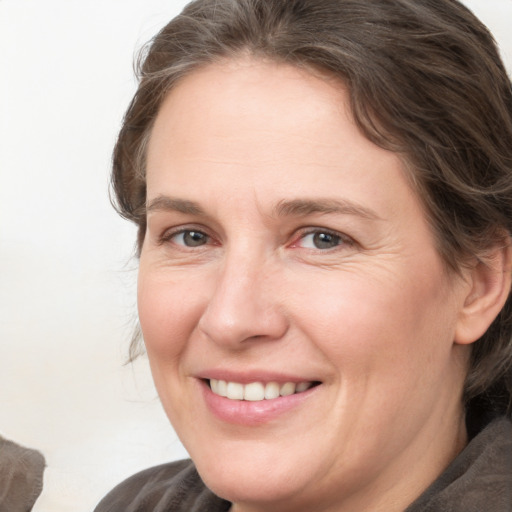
21, 477
174, 487
478, 480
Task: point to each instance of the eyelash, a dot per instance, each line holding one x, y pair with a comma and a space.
339, 238
167, 236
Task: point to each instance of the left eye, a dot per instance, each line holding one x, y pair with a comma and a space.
190, 238
320, 240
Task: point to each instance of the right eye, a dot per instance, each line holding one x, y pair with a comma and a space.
188, 238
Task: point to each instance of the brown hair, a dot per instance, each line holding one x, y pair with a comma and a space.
425, 79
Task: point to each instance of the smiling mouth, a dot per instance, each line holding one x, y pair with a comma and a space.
257, 391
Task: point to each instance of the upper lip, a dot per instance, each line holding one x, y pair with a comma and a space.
249, 376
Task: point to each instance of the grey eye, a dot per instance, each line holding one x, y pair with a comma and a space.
191, 238
321, 240
326, 240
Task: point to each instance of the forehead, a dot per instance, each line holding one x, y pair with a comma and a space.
267, 128
261, 99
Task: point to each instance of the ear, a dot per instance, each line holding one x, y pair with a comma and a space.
489, 286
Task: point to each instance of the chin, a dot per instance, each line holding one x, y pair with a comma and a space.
254, 478
266, 491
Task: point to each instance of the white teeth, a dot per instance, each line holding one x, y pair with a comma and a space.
219, 387
214, 384
271, 390
235, 391
256, 391
223, 388
288, 388
303, 386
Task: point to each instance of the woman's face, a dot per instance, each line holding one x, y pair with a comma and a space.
285, 253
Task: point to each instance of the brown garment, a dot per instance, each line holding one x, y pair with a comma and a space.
174, 487
478, 480
21, 477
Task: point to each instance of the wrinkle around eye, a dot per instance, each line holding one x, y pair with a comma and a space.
165, 242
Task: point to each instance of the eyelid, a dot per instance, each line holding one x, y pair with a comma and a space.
168, 234
312, 230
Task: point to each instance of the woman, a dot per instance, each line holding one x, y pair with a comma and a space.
323, 191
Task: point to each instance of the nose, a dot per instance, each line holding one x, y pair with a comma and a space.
244, 305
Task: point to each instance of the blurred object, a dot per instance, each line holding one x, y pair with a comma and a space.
21, 477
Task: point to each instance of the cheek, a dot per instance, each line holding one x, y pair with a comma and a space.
388, 343
167, 314
382, 325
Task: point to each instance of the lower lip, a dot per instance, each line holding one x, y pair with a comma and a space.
247, 413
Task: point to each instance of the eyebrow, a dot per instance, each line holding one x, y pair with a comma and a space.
303, 207
173, 204
285, 208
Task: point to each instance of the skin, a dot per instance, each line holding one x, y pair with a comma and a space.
375, 318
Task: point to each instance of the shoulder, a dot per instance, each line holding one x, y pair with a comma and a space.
175, 486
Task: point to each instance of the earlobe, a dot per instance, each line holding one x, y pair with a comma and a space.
490, 282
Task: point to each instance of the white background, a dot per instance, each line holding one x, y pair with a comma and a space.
67, 279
